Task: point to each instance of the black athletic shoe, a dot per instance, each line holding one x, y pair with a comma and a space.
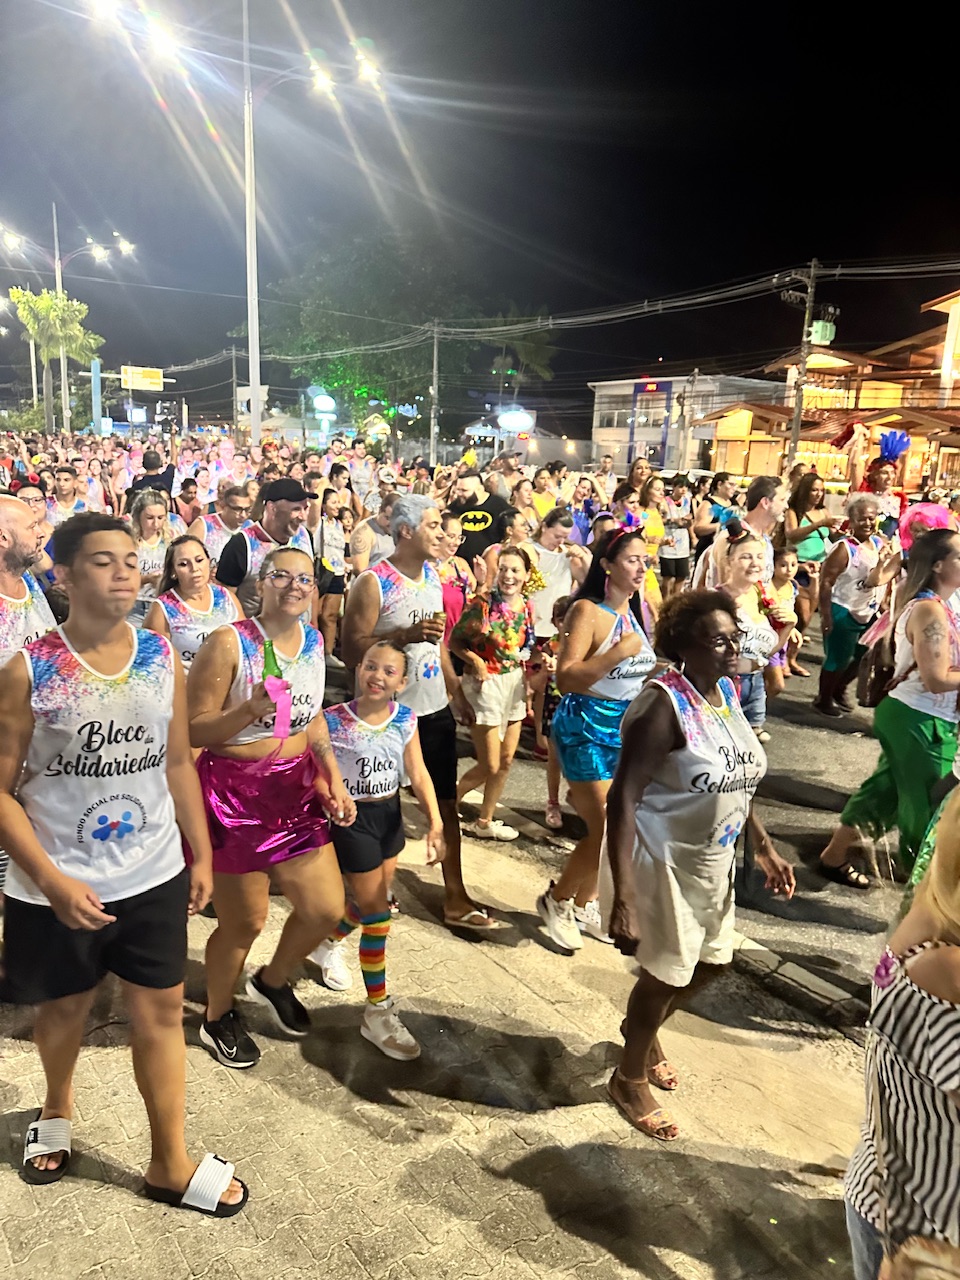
287, 1011
228, 1041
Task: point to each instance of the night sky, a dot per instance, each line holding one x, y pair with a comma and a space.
579, 154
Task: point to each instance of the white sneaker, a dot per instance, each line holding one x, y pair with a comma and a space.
473, 796
589, 921
334, 662
333, 965
558, 918
495, 829
382, 1027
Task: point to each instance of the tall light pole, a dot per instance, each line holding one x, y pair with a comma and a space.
435, 395
64, 379
250, 220
808, 278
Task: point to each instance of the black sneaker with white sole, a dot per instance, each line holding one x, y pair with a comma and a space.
285, 1009
228, 1041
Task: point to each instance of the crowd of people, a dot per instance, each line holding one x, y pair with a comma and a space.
232, 661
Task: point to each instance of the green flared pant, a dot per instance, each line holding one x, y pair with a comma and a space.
918, 750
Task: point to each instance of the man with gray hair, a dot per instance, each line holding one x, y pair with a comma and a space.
401, 600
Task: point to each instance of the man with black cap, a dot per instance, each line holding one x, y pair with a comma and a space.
283, 524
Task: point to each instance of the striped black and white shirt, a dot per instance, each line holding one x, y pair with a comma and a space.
914, 1050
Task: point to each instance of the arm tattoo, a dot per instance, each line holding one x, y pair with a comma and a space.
934, 631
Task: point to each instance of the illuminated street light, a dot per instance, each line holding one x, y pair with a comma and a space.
162, 41
12, 242
124, 245
105, 10
368, 71
323, 81
100, 254
515, 419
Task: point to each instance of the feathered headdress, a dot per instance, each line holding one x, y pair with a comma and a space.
893, 445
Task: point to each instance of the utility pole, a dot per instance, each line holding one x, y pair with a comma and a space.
685, 421
250, 222
808, 278
64, 378
233, 383
33, 372
435, 395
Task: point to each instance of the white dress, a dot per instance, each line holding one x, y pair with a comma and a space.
687, 826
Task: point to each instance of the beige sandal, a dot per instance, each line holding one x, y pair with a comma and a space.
655, 1124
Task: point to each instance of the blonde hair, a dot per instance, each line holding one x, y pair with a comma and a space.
921, 1258
939, 890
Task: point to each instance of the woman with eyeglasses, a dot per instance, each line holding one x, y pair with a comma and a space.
189, 607
271, 787
682, 794
603, 661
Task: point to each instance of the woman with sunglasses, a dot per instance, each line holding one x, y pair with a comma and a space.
681, 796
189, 607
604, 659
271, 788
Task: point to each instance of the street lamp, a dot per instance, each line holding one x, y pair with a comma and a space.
15, 243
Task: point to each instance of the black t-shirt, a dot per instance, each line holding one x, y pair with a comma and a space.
234, 562
479, 521
161, 480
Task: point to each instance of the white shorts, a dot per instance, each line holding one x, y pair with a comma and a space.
686, 916
499, 700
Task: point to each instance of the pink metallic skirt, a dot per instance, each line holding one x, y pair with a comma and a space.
261, 812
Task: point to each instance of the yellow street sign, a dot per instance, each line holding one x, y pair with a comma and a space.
135, 378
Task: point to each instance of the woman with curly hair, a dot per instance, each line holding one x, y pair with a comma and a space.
688, 770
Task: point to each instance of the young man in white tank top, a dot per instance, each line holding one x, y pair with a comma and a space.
96, 776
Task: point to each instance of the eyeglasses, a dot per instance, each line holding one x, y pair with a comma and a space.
241, 511
35, 502
281, 579
720, 644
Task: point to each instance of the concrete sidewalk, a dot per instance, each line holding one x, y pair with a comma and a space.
495, 1155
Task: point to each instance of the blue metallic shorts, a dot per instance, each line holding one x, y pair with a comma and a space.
586, 733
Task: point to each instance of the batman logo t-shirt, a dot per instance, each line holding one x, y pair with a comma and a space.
479, 523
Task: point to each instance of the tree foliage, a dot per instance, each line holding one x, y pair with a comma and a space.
53, 320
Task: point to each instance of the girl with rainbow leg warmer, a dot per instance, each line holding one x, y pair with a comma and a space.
376, 743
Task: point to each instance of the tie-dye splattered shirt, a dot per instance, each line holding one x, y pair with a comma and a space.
403, 602
370, 756
189, 627
95, 780
24, 619
305, 672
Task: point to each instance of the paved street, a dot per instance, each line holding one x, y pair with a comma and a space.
494, 1155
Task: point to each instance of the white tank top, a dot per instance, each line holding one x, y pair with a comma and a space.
23, 620
625, 681
912, 691
697, 802
150, 558
404, 601
557, 575
756, 638
383, 544
216, 535
259, 544
305, 673
370, 756
850, 589
189, 627
95, 781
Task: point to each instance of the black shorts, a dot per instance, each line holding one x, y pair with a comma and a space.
376, 835
336, 586
679, 568
146, 945
438, 742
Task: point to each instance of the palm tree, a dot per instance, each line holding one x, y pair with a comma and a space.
53, 320
524, 357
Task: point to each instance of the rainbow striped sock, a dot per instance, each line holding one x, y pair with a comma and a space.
347, 925
373, 956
